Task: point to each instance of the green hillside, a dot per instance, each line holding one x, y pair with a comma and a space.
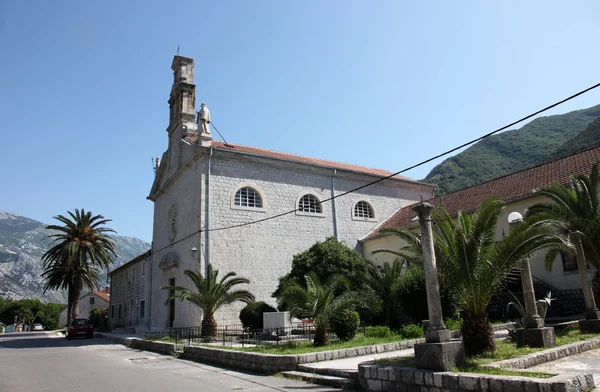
511, 151
589, 138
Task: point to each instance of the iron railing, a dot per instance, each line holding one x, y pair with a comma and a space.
238, 335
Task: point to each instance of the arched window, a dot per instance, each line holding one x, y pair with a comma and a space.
362, 209
310, 203
248, 197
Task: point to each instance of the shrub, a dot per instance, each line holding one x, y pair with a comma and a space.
454, 324
251, 315
346, 326
411, 331
97, 318
382, 331
411, 294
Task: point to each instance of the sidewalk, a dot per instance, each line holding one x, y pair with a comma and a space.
587, 362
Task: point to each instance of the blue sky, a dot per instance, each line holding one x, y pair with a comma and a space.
383, 84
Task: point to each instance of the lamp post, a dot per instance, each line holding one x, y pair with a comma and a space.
535, 334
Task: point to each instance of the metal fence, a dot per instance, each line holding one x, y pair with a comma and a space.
238, 335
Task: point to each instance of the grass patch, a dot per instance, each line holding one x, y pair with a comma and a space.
165, 339
305, 347
505, 349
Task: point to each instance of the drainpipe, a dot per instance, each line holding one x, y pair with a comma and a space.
151, 272
335, 231
207, 225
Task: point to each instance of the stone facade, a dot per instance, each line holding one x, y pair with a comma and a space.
129, 300
193, 197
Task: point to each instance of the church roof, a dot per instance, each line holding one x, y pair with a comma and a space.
302, 159
512, 187
141, 257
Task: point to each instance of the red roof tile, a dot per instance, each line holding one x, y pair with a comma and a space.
191, 137
508, 188
105, 296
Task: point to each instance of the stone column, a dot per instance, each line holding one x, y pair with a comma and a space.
436, 331
534, 334
591, 324
438, 352
532, 318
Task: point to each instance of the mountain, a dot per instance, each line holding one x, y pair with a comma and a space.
589, 138
23, 242
514, 150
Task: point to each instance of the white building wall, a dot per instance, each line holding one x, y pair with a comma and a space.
183, 191
263, 252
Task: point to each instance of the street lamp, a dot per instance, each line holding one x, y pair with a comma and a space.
194, 252
534, 334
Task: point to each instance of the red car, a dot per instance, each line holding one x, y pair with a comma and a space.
80, 327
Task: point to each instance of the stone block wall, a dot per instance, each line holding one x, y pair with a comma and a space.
377, 378
129, 292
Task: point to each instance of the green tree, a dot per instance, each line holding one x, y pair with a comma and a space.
327, 258
210, 294
575, 209
474, 265
80, 247
381, 280
320, 302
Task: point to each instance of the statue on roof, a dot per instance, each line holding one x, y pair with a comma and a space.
203, 119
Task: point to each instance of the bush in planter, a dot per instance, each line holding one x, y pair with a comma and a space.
251, 315
411, 331
346, 326
380, 331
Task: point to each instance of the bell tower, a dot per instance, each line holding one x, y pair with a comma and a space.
182, 108
182, 102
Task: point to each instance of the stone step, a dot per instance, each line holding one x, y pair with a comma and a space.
344, 373
345, 384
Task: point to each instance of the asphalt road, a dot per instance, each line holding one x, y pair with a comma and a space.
39, 362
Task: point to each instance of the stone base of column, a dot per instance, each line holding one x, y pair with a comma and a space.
439, 356
536, 337
592, 315
589, 326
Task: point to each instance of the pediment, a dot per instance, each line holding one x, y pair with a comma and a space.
169, 260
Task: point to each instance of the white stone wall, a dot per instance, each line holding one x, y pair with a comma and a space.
129, 287
260, 252
183, 191
263, 252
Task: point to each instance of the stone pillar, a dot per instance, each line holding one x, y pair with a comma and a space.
534, 334
591, 324
532, 318
438, 352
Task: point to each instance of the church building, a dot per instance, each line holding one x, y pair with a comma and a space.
207, 194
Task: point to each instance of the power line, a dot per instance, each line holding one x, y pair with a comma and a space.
396, 173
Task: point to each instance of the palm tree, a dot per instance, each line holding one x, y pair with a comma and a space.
210, 295
380, 280
80, 248
320, 302
575, 209
474, 265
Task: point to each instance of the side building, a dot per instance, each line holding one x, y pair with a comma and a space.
129, 287
88, 301
517, 190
